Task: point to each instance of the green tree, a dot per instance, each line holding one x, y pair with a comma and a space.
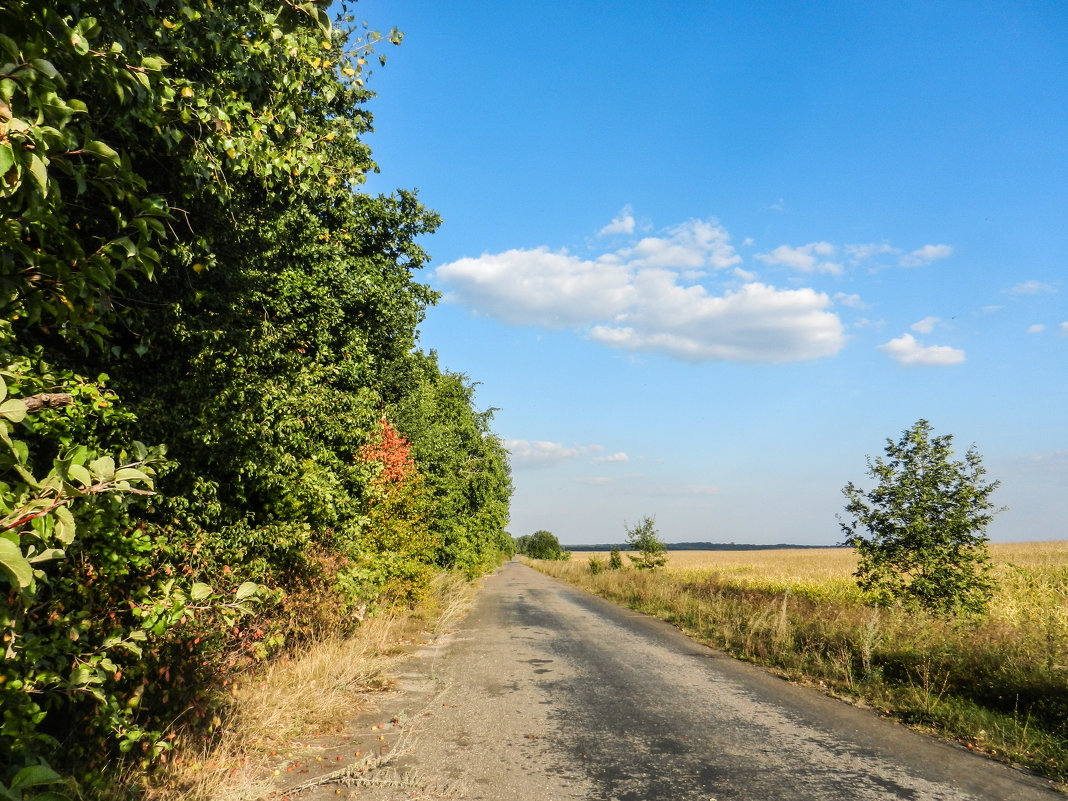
920, 532
542, 545
643, 538
179, 210
615, 560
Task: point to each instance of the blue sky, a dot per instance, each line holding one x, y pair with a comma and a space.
704, 258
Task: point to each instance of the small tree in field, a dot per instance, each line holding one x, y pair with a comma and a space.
643, 538
920, 533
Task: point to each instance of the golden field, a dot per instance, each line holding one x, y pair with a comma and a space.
1031, 577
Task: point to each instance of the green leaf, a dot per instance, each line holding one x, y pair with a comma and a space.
200, 591
45, 67
39, 172
246, 590
127, 245
81, 675
48, 555
132, 474
154, 63
78, 473
103, 468
12, 561
13, 409
64, 525
35, 776
98, 148
7, 158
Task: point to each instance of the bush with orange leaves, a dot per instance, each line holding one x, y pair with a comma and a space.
397, 538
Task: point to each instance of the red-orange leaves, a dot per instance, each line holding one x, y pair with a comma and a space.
392, 451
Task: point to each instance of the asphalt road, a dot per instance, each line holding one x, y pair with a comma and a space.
545, 692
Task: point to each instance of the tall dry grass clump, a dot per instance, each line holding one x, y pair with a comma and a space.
317, 690
997, 682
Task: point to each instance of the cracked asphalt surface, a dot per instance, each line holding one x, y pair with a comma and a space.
545, 692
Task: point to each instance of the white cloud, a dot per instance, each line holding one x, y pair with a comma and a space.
696, 244
756, 323
1064, 328
1032, 288
1037, 328
808, 258
907, 351
595, 481
537, 453
865, 322
778, 205
646, 297
744, 275
540, 287
622, 224
615, 457
852, 301
926, 255
926, 325
859, 253
990, 309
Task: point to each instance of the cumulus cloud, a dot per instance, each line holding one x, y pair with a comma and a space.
1032, 288
1064, 328
615, 457
754, 323
646, 296
540, 287
536, 453
907, 351
926, 255
810, 258
1037, 328
926, 325
622, 224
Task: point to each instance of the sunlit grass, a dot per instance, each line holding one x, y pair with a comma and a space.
316, 691
998, 683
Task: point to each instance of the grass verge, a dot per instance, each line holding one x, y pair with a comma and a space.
997, 684
316, 691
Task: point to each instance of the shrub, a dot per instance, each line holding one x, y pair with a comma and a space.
643, 538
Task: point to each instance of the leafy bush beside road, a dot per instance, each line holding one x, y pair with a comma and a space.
185, 253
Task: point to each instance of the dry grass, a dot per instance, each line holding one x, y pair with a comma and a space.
316, 691
997, 683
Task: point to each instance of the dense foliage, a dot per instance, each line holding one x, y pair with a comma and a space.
920, 532
541, 545
186, 258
